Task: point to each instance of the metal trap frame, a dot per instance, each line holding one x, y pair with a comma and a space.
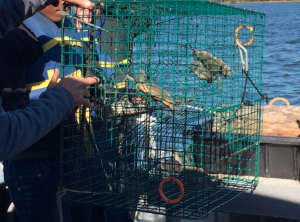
176, 123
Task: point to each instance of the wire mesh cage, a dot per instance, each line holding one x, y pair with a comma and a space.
176, 118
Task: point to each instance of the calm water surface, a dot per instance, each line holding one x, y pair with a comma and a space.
281, 71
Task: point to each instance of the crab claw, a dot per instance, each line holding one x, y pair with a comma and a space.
153, 90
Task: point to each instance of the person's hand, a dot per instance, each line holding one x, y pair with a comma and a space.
76, 86
83, 3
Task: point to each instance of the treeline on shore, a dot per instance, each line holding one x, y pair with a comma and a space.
253, 1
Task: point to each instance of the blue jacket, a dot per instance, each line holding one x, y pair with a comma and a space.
39, 74
104, 65
22, 128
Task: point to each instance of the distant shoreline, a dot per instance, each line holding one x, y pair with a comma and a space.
258, 2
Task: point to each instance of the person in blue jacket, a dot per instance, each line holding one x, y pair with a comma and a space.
33, 175
21, 128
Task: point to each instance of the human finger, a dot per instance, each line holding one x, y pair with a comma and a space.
90, 80
55, 76
87, 103
53, 80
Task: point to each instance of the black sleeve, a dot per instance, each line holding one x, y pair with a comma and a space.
18, 52
34, 122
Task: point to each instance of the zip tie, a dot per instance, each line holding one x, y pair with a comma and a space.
63, 13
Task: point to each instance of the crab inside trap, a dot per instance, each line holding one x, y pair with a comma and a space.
170, 131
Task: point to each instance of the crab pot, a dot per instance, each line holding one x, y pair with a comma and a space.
175, 127
218, 149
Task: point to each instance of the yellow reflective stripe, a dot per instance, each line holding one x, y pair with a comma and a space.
76, 73
41, 84
86, 135
50, 44
88, 147
70, 41
57, 41
85, 39
45, 83
102, 64
105, 64
123, 62
120, 85
110, 64
78, 114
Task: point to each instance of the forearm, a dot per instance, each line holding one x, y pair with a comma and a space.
14, 12
21, 128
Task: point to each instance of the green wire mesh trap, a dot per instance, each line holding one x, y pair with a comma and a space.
175, 127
